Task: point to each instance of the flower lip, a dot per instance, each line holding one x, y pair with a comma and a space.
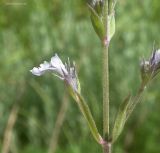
41, 69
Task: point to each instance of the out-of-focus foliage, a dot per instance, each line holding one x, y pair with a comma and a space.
32, 31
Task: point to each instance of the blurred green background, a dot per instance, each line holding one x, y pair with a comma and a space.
36, 114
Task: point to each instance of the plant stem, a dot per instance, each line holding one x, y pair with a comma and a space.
106, 77
105, 93
106, 147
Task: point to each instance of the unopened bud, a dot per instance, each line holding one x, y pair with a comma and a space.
150, 68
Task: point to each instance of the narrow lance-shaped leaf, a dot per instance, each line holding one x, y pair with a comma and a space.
112, 4
89, 118
97, 23
135, 100
120, 118
111, 22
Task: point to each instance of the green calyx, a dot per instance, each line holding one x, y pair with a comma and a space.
97, 19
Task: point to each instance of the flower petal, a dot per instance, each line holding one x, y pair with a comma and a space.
45, 66
37, 71
157, 56
58, 65
41, 70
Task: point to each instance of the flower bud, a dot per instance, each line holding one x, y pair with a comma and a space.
98, 20
150, 68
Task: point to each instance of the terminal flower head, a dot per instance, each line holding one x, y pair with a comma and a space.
64, 72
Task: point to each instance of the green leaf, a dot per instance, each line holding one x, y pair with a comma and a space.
97, 23
85, 111
111, 22
121, 118
89, 118
135, 100
112, 4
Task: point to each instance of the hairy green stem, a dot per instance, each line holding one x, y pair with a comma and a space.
105, 77
105, 93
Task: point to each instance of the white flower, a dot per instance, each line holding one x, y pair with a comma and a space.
58, 65
64, 72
